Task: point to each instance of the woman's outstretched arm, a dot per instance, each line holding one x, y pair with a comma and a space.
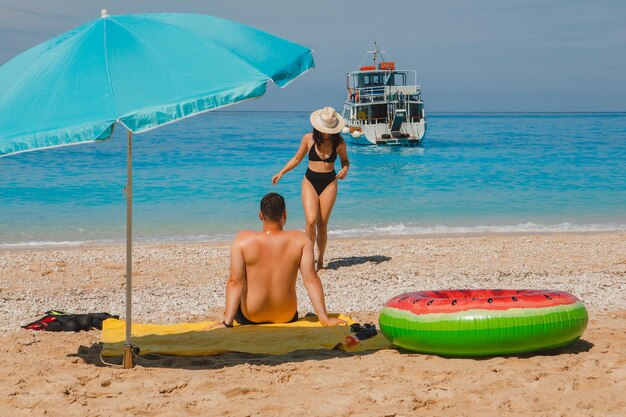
345, 163
293, 162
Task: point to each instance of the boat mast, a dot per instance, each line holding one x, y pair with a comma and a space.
377, 52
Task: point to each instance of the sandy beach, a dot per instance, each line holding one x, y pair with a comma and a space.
59, 374
448, 146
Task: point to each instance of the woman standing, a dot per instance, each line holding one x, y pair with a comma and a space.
319, 186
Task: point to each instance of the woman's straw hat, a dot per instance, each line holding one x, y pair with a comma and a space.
327, 120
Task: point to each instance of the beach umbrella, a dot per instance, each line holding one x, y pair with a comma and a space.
141, 72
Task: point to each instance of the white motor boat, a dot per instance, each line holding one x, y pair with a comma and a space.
383, 105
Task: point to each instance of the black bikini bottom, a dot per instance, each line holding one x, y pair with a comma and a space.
320, 180
241, 319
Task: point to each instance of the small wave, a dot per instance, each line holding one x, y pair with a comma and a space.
409, 230
37, 244
163, 239
219, 237
399, 229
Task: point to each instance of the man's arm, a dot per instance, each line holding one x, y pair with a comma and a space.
313, 284
236, 281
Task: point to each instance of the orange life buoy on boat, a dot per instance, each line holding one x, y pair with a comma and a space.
367, 68
388, 66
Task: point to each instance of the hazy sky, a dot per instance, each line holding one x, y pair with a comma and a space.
491, 55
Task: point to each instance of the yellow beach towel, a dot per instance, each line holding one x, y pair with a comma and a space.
190, 339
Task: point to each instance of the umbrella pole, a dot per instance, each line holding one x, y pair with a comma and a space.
128, 349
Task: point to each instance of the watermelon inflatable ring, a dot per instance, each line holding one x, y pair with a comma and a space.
483, 322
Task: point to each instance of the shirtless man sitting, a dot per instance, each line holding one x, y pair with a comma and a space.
264, 268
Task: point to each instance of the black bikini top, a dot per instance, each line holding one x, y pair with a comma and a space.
314, 156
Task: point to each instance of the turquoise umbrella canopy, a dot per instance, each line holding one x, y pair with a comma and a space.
142, 71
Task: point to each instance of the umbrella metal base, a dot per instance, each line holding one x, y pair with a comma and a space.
128, 356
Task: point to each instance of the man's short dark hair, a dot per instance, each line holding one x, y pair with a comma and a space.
273, 207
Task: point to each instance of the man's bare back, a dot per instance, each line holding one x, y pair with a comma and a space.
272, 260
264, 268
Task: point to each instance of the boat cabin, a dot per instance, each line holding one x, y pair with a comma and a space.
375, 95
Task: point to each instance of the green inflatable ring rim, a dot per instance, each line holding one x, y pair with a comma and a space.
482, 332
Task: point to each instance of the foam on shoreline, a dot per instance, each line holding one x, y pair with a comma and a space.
401, 229
372, 231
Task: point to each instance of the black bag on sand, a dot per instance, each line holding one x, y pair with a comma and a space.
60, 321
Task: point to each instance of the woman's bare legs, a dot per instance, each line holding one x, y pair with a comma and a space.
311, 204
326, 203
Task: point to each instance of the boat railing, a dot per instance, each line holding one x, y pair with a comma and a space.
370, 121
381, 93
404, 89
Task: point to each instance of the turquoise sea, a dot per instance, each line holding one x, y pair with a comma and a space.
202, 178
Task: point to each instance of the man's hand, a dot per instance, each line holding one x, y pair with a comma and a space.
332, 321
215, 326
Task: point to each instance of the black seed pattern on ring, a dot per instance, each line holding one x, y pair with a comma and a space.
547, 296
454, 303
430, 302
416, 300
514, 298
489, 300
